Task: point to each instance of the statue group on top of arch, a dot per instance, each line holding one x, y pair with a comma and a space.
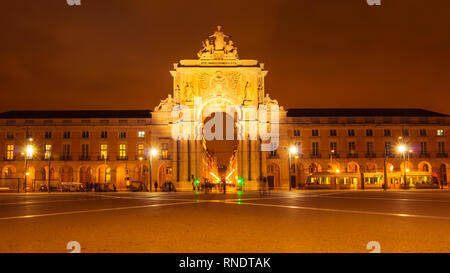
218, 46
166, 104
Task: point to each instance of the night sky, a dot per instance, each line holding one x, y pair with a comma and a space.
117, 54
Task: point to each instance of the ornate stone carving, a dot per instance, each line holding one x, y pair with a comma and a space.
230, 50
207, 50
219, 36
267, 100
204, 81
177, 92
218, 74
246, 89
189, 91
218, 82
218, 46
166, 105
235, 78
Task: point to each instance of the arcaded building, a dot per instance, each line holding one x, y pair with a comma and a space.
314, 148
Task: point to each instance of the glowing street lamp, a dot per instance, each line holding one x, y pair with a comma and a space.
153, 152
293, 150
402, 148
30, 151
28, 155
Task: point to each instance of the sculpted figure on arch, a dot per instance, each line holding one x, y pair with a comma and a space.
218, 46
219, 42
230, 49
207, 48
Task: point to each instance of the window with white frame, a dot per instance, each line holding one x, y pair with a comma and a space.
9, 152
122, 150
47, 151
104, 151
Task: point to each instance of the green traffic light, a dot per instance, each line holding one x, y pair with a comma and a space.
240, 180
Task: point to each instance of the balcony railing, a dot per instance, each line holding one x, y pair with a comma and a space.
424, 155
84, 158
441, 155
65, 157
335, 155
122, 157
352, 155
316, 156
102, 158
272, 156
371, 155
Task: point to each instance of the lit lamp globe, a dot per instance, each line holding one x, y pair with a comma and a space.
293, 150
153, 152
30, 151
402, 149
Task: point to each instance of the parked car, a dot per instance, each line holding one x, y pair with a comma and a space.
136, 186
72, 187
44, 188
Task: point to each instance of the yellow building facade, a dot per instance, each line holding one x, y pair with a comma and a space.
333, 148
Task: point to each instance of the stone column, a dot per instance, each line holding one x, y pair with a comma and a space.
174, 161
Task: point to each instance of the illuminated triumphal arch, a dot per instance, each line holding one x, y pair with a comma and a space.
218, 81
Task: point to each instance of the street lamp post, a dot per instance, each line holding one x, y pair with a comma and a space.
292, 151
150, 171
26, 171
407, 169
142, 170
404, 166
49, 168
28, 154
402, 149
153, 152
105, 168
385, 172
336, 180
331, 158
